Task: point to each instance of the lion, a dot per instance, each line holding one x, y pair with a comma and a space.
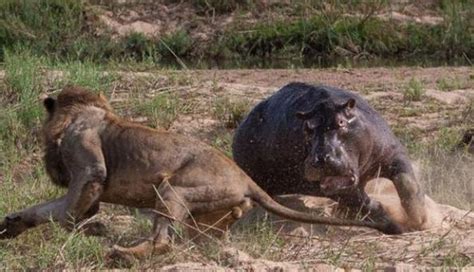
101, 157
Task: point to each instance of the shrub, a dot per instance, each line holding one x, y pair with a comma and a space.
176, 44
414, 90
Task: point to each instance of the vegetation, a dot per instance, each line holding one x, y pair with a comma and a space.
318, 36
230, 113
162, 110
414, 90
221, 6
69, 30
447, 84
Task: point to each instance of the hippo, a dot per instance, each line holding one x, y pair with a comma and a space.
325, 141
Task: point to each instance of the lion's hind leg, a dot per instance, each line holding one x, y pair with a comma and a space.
169, 208
217, 223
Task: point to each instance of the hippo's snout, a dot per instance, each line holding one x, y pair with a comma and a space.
338, 184
334, 176
320, 160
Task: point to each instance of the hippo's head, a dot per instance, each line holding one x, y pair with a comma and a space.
333, 133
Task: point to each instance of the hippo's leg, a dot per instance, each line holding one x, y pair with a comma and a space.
409, 190
360, 205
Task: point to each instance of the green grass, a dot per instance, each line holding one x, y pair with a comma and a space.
162, 110
414, 90
323, 36
230, 113
86, 74
22, 77
446, 174
54, 28
52, 248
221, 6
447, 84
20, 108
69, 30
138, 47
263, 238
176, 44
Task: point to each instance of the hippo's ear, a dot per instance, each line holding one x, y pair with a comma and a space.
50, 104
350, 104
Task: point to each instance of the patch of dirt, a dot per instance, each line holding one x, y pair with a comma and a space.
403, 18
450, 98
157, 18
160, 18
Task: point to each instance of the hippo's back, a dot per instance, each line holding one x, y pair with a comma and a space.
269, 144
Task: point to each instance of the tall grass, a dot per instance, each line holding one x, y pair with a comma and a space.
230, 113
178, 44
414, 90
444, 171
68, 30
221, 6
22, 77
162, 110
46, 26
19, 106
321, 36
447, 176
86, 74
456, 30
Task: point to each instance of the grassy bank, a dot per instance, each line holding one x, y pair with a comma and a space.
71, 30
350, 36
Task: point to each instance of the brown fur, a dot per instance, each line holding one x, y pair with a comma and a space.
103, 158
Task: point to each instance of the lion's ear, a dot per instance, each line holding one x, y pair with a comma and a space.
49, 103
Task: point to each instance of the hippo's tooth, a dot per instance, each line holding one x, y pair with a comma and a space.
351, 120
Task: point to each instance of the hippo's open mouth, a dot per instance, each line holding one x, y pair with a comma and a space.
333, 184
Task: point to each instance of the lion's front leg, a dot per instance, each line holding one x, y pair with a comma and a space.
16, 223
82, 156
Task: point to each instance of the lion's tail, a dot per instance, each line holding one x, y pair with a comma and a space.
258, 195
